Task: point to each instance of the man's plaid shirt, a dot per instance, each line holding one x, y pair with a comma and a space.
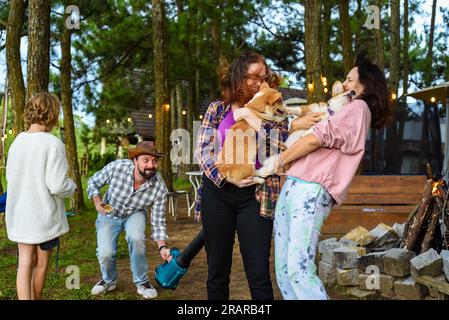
118, 175
207, 143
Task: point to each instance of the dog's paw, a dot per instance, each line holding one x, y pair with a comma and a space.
259, 180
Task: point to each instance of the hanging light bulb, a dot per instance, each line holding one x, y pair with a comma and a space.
184, 112
201, 117
108, 121
10, 131
129, 120
326, 90
393, 96
166, 107
150, 116
433, 99
310, 86
324, 81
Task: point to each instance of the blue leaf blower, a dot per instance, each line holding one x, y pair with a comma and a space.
168, 274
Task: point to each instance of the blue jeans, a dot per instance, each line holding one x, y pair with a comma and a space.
108, 231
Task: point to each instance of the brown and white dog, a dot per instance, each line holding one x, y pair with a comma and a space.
334, 105
237, 158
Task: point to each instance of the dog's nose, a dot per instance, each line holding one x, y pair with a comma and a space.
352, 92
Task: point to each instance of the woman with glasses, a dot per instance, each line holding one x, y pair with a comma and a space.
226, 206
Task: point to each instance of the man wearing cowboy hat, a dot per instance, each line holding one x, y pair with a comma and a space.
134, 184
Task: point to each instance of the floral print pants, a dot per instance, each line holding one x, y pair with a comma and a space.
301, 210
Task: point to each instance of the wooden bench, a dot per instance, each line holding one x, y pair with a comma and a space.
375, 199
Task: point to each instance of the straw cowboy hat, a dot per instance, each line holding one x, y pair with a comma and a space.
144, 147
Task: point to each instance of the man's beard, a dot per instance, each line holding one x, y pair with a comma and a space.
148, 173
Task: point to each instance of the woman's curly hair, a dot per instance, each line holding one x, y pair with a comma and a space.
42, 108
233, 78
375, 92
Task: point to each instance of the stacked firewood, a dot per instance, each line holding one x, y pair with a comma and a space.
428, 224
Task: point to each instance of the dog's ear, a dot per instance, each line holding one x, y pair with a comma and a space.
337, 88
273, 97
264, 85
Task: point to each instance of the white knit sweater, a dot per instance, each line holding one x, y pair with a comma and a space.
36, 173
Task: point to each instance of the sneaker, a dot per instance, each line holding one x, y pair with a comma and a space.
147, 290
101, 287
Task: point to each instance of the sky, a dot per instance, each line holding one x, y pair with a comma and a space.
420, 21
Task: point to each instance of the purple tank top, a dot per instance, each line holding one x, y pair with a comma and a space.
226, 124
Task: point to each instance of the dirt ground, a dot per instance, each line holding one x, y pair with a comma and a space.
193, 285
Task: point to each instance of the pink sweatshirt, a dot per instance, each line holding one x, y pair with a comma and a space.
342, 139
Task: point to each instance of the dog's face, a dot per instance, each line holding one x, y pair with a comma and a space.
267, 104
339, 97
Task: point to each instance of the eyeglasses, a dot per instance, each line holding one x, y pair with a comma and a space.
256, 77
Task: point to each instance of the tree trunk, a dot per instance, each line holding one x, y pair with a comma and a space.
428, 74
380, 59
173, 109
359, 17
161, 88
15, 77
325, 41
179, 107
38, 47
189, 124
216, 42
393, 163
405, 50
346, 35
69, 126
312, 14
395, 47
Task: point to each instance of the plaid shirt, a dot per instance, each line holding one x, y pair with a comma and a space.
125, 201
207, 142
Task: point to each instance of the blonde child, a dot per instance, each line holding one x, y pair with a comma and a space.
36, 174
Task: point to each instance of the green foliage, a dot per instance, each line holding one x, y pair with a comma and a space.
97, 161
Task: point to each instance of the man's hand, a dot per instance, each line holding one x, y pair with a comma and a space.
245, 182
248, 116
99, 205
165, 254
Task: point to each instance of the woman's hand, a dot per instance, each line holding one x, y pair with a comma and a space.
248, 116
245, 182
307, 121
270, 166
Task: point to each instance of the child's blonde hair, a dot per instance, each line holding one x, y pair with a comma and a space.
42, 108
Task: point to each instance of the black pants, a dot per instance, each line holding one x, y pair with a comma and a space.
223, 211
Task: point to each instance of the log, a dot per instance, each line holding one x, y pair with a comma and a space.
427, 242
415, 224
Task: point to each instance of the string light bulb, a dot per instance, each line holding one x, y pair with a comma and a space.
10, 131
108, 121
129, 120
310, 86
326, 90
393, 96
201, 117
184, 112
324, 81
166, 107
433, 99
150, 116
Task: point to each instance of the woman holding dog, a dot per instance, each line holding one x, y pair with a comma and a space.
322, 166
227, 206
